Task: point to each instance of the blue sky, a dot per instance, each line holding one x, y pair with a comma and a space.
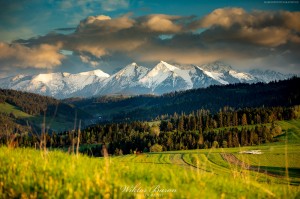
38, 28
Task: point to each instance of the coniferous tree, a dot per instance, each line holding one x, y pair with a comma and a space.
244, 119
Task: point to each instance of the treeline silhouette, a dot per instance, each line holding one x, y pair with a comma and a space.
200, 129
146, 107
35, 104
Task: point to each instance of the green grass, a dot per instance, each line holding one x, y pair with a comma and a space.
8, 109
217, 159
57, 123
274, 159
291, 129
278, 154
29, 173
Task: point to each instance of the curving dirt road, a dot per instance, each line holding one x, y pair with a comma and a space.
230, 158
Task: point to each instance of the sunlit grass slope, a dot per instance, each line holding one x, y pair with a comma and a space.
56, 123
28, 173
8, 109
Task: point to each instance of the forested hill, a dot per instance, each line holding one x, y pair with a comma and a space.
146, 107
35, 104
281, 93
25, 112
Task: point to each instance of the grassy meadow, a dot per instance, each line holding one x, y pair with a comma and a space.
10, 109
30, 173
57, 123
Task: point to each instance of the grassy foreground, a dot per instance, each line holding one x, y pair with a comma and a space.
28, 173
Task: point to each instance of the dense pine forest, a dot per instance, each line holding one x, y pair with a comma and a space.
219, 116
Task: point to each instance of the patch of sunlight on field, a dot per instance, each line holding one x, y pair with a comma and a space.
57, 123
289, 124
148, 158
217, 159
8, 109
204, 163
28, 173
273, 160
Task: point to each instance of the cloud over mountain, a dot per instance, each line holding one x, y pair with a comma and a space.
40, 56
247, 39
257, 27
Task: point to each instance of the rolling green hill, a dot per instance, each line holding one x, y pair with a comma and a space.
10, 109
191, 174
32, 110
59, 122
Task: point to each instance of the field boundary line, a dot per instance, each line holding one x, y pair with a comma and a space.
232, 159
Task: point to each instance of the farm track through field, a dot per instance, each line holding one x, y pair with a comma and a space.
231, 159
140, 159
177, 159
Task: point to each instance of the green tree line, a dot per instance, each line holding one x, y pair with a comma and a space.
196, 130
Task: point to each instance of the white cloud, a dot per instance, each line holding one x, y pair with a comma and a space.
266, 28
162, 23
228, 34
41, 56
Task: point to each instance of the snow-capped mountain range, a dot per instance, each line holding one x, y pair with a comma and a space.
135, 79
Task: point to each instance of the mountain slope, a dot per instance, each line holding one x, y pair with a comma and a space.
224, 74
126, 81
268, 75
165, 77
134, 80
58, 85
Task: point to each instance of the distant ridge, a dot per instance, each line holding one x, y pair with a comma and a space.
134, 79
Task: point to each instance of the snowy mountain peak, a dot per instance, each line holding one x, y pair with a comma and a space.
66, 74
165, 76
162, 64
133, 64
98, 73
216, 67
135, 79
18, 77
45, 78
132, 70
225, 74
269, 75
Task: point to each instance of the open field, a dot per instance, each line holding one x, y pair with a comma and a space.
56, 174
8, 109
205, 173
26, 173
